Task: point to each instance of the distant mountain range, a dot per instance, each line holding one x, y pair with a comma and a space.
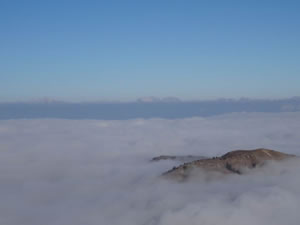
148, 107
152, 99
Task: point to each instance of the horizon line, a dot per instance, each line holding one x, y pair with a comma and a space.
145, 100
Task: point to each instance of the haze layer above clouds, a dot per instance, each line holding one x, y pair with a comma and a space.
168, 108
95, 172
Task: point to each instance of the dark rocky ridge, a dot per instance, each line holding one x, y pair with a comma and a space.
187, 158
234, 162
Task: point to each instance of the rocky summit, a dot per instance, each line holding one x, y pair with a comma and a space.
234, 162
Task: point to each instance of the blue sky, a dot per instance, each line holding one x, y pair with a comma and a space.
122, 50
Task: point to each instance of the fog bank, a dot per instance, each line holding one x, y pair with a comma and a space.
92, 172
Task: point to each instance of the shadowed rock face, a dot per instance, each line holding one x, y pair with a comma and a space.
183, 159
234, 162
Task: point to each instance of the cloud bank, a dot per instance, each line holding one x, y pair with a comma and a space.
95, 172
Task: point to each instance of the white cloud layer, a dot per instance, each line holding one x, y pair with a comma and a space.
89, 172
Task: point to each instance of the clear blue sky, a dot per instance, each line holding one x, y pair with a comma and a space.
122, 50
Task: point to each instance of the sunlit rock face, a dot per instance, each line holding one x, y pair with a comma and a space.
234, 162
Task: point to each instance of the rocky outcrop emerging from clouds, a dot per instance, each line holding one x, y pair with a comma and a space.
234, 162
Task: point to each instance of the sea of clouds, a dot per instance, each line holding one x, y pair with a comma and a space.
93, 172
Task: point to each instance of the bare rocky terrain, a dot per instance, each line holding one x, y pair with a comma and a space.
234, 162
